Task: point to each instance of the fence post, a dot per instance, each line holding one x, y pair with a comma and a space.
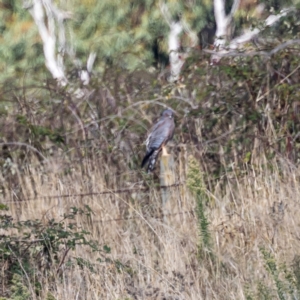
167, 177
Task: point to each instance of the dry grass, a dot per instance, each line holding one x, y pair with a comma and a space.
160, 257
224, 116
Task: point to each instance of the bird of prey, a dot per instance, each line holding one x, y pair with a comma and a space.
158, 137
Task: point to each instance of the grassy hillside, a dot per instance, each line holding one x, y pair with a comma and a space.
230, 229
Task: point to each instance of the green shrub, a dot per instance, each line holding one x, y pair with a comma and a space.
196, 186
33, 248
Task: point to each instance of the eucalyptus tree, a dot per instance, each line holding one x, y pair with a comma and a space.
88, 35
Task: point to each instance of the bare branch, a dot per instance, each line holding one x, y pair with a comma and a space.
90, 61
250, 34
246, 37
63, 259
283, 46
85, 75
254, 53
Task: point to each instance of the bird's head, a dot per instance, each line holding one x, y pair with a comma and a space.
168, 113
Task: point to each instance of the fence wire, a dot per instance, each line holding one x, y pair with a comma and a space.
157, 217
118, 191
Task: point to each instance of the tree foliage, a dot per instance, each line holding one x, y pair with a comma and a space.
123, 34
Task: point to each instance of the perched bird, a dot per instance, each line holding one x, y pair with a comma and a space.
159, 136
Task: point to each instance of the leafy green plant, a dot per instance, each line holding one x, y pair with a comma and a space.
270, 265
196, 186
19, 289
296, 272
33, 247
285, 279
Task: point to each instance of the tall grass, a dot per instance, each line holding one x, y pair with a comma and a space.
154, 259
229, 231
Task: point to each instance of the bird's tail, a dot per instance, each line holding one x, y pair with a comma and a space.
152, 160
147, 156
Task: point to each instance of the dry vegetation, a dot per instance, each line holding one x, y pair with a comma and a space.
230, 229
155, 257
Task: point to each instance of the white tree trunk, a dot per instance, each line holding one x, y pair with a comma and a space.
47, 32
176, 56
177, 59
50, 22
223, 23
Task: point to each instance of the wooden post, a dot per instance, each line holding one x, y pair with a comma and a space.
167, 177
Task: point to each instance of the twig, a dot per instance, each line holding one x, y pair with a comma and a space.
281, 81
62, 259
222, 136
25, 273
27, 146
254, 53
